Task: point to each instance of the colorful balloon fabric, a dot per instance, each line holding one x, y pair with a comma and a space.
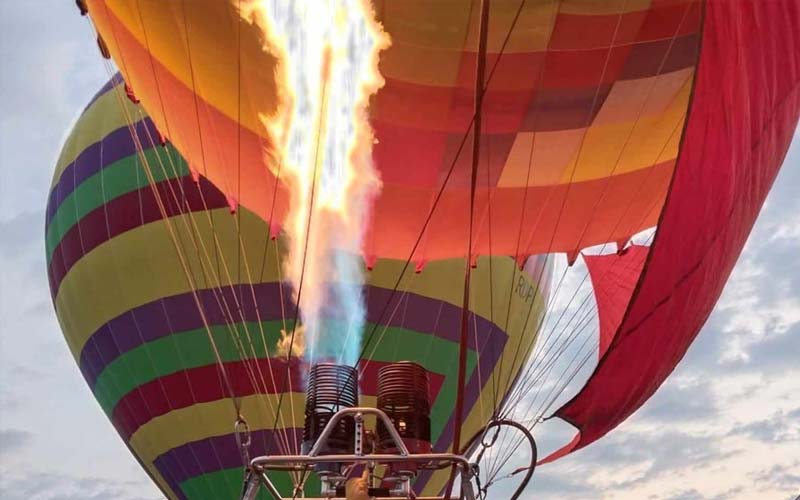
582, 116
126, 282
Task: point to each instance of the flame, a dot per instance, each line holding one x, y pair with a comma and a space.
327, 52
296, 344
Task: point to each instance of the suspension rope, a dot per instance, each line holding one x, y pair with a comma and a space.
195, 231
168, 225
143, 160
627, 140
645, 215
554, 397
113, 380
255, 373
572, 175
446, 179
538, 369
476, 146
218, 250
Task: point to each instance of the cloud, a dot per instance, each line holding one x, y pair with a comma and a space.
786, 476
563, 486
774, 353
693, 400
687, 495
12, 440
21, 232
48, 486
50, 70
782, 426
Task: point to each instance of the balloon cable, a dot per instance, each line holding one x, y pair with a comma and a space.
476, 145
445, 181
145, 165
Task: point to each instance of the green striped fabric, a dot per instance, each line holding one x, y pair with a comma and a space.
191, 349
112, 181
227, 484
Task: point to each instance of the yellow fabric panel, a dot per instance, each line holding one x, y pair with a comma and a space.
421, 65
504, 373
620, 148
94, 277
531, 33
111, 297
631, 99
203, 420
553, 152
96, 123
212, 68
525, 313
131, 254
444, 24
638, 126
439, 24
213, 418
100, 14
428, 36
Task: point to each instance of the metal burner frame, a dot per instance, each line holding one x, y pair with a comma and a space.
332, 482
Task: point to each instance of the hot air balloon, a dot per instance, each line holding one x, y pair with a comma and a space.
497, 137
118, 245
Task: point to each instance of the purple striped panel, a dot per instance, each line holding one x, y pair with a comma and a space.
113, 147
127, 212
489, 355
150, 322
218, 453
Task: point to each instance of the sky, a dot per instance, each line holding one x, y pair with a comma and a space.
725, 425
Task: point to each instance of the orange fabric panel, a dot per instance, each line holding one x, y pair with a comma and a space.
584, 108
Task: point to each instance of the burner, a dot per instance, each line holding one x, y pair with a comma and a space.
403, 396
331, 388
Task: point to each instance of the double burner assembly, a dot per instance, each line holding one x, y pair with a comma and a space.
339, 438
402, 396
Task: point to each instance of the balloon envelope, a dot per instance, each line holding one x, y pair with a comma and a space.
582, 115
146, 265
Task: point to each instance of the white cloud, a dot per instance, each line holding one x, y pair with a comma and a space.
44, 485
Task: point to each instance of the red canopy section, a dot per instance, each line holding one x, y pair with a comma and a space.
614, 277
744, 111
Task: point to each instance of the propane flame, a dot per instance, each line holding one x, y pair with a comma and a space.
327, 52
286, 342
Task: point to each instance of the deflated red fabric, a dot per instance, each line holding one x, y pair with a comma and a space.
745, 110
613, 279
